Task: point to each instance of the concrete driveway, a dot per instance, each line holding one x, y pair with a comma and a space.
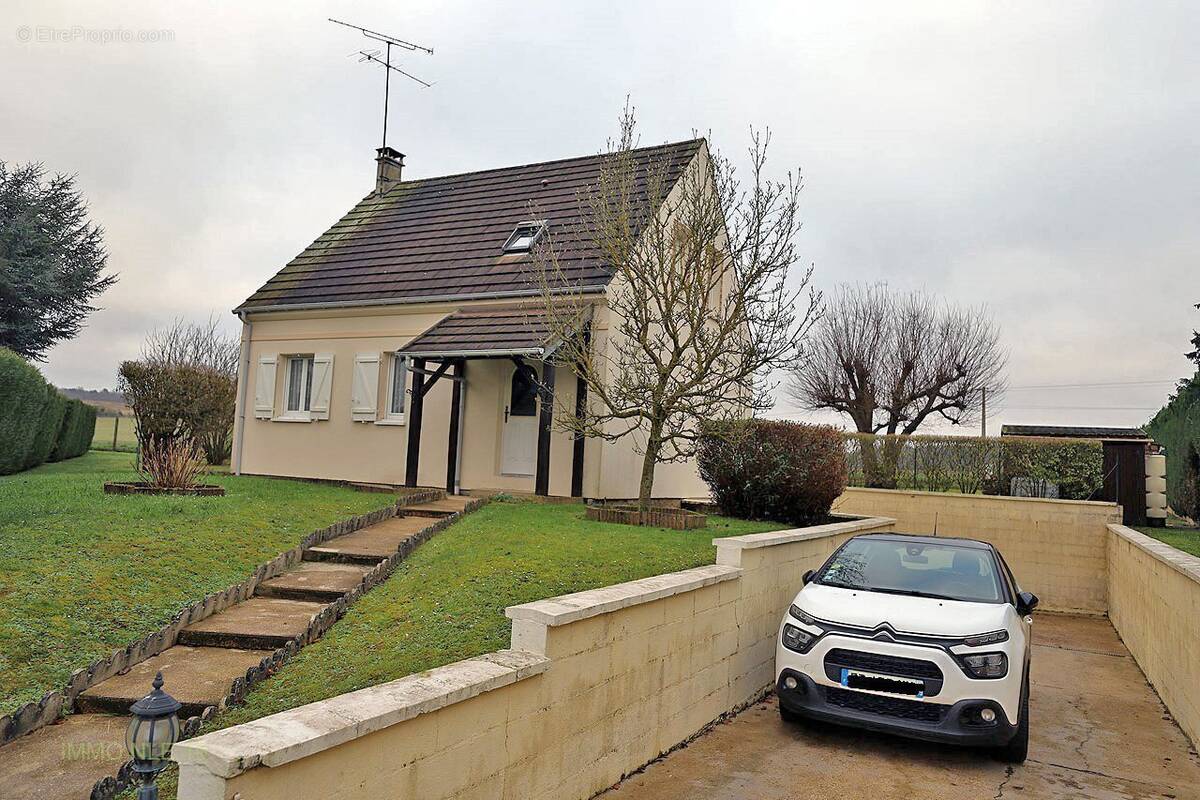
1098, 731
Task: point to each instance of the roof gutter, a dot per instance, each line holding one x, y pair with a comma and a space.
401, 301
502, 353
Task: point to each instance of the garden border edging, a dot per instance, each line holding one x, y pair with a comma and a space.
31, 716
109, 787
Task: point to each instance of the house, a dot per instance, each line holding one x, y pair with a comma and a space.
406, 345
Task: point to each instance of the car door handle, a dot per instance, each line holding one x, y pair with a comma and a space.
506, 414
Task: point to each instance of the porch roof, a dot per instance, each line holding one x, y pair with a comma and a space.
499, 331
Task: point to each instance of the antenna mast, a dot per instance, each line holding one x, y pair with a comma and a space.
386, 62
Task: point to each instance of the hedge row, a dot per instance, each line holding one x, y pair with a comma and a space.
766, 469
37, 423
1071, 469
1177, 428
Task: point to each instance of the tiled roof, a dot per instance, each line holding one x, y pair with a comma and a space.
497, 330
1073, 432
441, 238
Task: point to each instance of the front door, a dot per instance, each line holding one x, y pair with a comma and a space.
519, 443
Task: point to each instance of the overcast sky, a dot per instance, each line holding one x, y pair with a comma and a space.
1039, 158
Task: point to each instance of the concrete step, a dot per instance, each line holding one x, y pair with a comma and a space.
197, 677
63, 760
450, 504
370, 545
315, 581
260, 623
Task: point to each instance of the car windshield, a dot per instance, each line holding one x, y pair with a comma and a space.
948, 571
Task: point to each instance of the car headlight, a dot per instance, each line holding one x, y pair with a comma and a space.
985, 665
797, 639
803, 616
986, 638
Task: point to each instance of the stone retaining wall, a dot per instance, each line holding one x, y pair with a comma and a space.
594, 686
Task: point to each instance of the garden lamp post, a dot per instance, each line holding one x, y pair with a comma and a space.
152, 731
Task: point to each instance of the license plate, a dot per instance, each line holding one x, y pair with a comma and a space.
884, 684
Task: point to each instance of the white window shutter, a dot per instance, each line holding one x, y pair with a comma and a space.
364, 395
322, 385
264, 387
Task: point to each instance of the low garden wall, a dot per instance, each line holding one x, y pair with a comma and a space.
1154, 603
1057, 548
595, 685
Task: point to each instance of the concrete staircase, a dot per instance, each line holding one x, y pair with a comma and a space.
65, 760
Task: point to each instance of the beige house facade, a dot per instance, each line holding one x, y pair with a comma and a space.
406, 346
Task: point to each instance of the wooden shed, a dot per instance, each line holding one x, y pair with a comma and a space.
1124, 461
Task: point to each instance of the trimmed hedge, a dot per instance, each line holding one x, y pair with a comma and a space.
23, 397
48, 427
75, 434
36, 422
971, 464
766, 469
1177, 428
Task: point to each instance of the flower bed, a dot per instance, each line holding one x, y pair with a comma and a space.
678, 519
142, 487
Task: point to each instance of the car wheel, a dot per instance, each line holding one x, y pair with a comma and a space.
1017, 749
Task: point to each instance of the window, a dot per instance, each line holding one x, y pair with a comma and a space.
397, 379
525, 236
299, 385
523, 392
913, 567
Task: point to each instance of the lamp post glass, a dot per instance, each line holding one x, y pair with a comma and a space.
152, 731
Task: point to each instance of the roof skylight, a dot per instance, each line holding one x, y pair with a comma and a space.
525, 236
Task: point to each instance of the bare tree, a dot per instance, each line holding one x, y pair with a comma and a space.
892, 360
698, 310
193, 344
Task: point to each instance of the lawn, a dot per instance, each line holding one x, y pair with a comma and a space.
1179, 533
446, 601
83, 573
124, 428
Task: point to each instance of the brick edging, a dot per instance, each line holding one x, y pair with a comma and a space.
109, 787
31, 716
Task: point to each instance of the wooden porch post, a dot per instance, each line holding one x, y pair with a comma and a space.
455, 408
577, 445
541, 482
577, 451
415, 408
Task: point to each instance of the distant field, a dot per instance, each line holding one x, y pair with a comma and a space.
103, 440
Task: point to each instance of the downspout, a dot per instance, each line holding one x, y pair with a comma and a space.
239, 421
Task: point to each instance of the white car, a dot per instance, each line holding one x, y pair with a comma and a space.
922, 636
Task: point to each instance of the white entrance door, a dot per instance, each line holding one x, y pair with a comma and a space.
519, 444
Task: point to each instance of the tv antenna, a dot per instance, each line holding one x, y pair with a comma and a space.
386, 61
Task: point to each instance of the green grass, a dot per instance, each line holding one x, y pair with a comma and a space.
446, 601
103, 438
1179, 533
83, 573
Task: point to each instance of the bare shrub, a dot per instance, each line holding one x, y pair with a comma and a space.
172, 463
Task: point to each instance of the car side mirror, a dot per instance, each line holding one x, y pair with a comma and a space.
807, 577
1026, 603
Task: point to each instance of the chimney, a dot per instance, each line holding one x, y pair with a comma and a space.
389, 163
